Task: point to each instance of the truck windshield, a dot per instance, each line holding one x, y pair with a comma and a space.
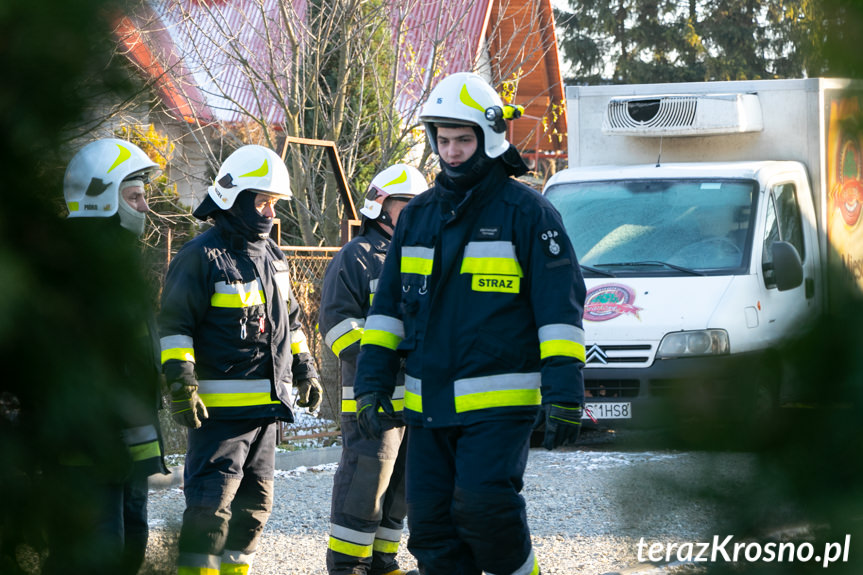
658, 227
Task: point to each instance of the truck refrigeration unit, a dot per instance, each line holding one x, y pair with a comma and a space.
706, 217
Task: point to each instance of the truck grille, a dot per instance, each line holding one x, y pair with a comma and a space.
626, 355
610, 388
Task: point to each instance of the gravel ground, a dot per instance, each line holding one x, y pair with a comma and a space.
588, 508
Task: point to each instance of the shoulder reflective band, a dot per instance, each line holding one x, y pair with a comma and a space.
502, 390
384, 331
344, 334
561, 339
349, 404
143, 442
283, 281
179, 347
299, 344
235, 392
413, 394
417, 260
237, 294
350, 541
492, 258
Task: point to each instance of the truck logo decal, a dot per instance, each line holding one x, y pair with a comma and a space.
609, 301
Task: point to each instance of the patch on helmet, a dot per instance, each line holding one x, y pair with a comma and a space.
550, 242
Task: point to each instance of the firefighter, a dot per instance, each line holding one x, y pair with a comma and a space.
482, 295
232, 347
105, 190
368, 506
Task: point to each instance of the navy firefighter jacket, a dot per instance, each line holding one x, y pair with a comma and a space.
484, 299
230, 322
346, 297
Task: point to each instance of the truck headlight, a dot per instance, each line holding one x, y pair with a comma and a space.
693, 343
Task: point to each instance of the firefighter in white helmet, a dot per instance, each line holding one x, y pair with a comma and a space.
368, 501
232, 348
481, 295
104, 190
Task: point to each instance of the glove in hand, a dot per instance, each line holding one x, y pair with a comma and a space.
187, 409
368, 418
562, 424
309, 393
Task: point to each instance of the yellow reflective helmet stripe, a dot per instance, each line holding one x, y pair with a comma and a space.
124, 155
400, 179
262, 171
466, 99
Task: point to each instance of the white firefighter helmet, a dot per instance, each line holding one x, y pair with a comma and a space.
399, 181
253, 168
91, 186
464, 98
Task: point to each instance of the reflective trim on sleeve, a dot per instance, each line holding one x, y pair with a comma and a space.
179, 347
299, 344
349, 404
350, 541
384, 331
491, 258
235, 392
344, 333
413, 394
143, 442
238, 294
561, 339
502, 390
417, 260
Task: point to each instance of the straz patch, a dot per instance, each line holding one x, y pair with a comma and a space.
550, 242
609, 301
503, 284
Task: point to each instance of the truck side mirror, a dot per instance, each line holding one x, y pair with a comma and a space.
787, 267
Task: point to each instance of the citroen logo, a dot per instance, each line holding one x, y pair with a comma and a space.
596, 355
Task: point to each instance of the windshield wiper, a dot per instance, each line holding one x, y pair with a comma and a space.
683, 269
597, 271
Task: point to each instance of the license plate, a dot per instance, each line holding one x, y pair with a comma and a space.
609, 410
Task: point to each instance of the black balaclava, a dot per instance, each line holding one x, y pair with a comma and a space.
467, 175
248, 221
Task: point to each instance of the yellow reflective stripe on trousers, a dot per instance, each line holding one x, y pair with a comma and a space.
417, 260
384, 331
344, 333
236, 562
237, 294
179, 347
413, 394
502, 390
561, 339
529, 567
387, 540
350, 541
491, 258
299, 344
349, 404
235, 392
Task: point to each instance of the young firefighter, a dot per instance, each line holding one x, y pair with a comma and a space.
232, 346
368, 506
104, 190
482, 295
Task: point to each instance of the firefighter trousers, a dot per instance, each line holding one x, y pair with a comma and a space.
465, 511
228, 483
368, 501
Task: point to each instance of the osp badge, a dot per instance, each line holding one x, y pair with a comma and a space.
552, 248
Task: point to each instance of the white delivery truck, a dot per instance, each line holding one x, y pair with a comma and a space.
710, 220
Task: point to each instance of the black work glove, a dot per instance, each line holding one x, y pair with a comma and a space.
309, 393
562, 424
368, 418
187, 409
